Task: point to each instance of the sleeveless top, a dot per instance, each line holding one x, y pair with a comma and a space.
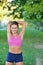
15, 41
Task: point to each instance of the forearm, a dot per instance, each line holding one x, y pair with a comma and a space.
21, 22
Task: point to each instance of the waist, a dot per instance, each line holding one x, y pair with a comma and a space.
14, 49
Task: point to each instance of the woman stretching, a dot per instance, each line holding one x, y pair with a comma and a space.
15, 40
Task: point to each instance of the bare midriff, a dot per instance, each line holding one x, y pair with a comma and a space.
15, 49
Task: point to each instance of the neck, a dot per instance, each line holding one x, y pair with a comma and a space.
15, 34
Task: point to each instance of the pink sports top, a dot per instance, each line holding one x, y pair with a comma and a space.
15, 41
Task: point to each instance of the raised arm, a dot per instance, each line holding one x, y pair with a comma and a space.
23, 23
8, 30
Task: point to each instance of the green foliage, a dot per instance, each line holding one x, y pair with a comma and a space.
29, 10
34, 8
33, 12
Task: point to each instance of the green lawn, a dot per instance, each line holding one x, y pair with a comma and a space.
30, 53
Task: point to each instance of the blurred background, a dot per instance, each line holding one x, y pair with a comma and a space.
31, 11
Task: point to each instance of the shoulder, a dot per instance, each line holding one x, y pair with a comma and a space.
9, 37
20, 36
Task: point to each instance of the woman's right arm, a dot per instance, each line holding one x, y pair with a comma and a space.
8, 30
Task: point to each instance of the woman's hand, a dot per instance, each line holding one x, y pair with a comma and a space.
21, 22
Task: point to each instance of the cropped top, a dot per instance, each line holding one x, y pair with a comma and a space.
15, 41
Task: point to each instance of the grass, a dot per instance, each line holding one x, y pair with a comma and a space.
30, 53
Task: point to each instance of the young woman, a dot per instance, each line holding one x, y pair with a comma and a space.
15, 40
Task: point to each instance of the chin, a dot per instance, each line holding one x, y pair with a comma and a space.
14, 32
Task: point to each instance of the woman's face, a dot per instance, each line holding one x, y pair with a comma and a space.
14, 29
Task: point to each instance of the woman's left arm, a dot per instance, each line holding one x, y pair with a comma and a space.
23, 23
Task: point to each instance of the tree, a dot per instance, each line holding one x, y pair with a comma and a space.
13, 9
33, 12
30, 10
